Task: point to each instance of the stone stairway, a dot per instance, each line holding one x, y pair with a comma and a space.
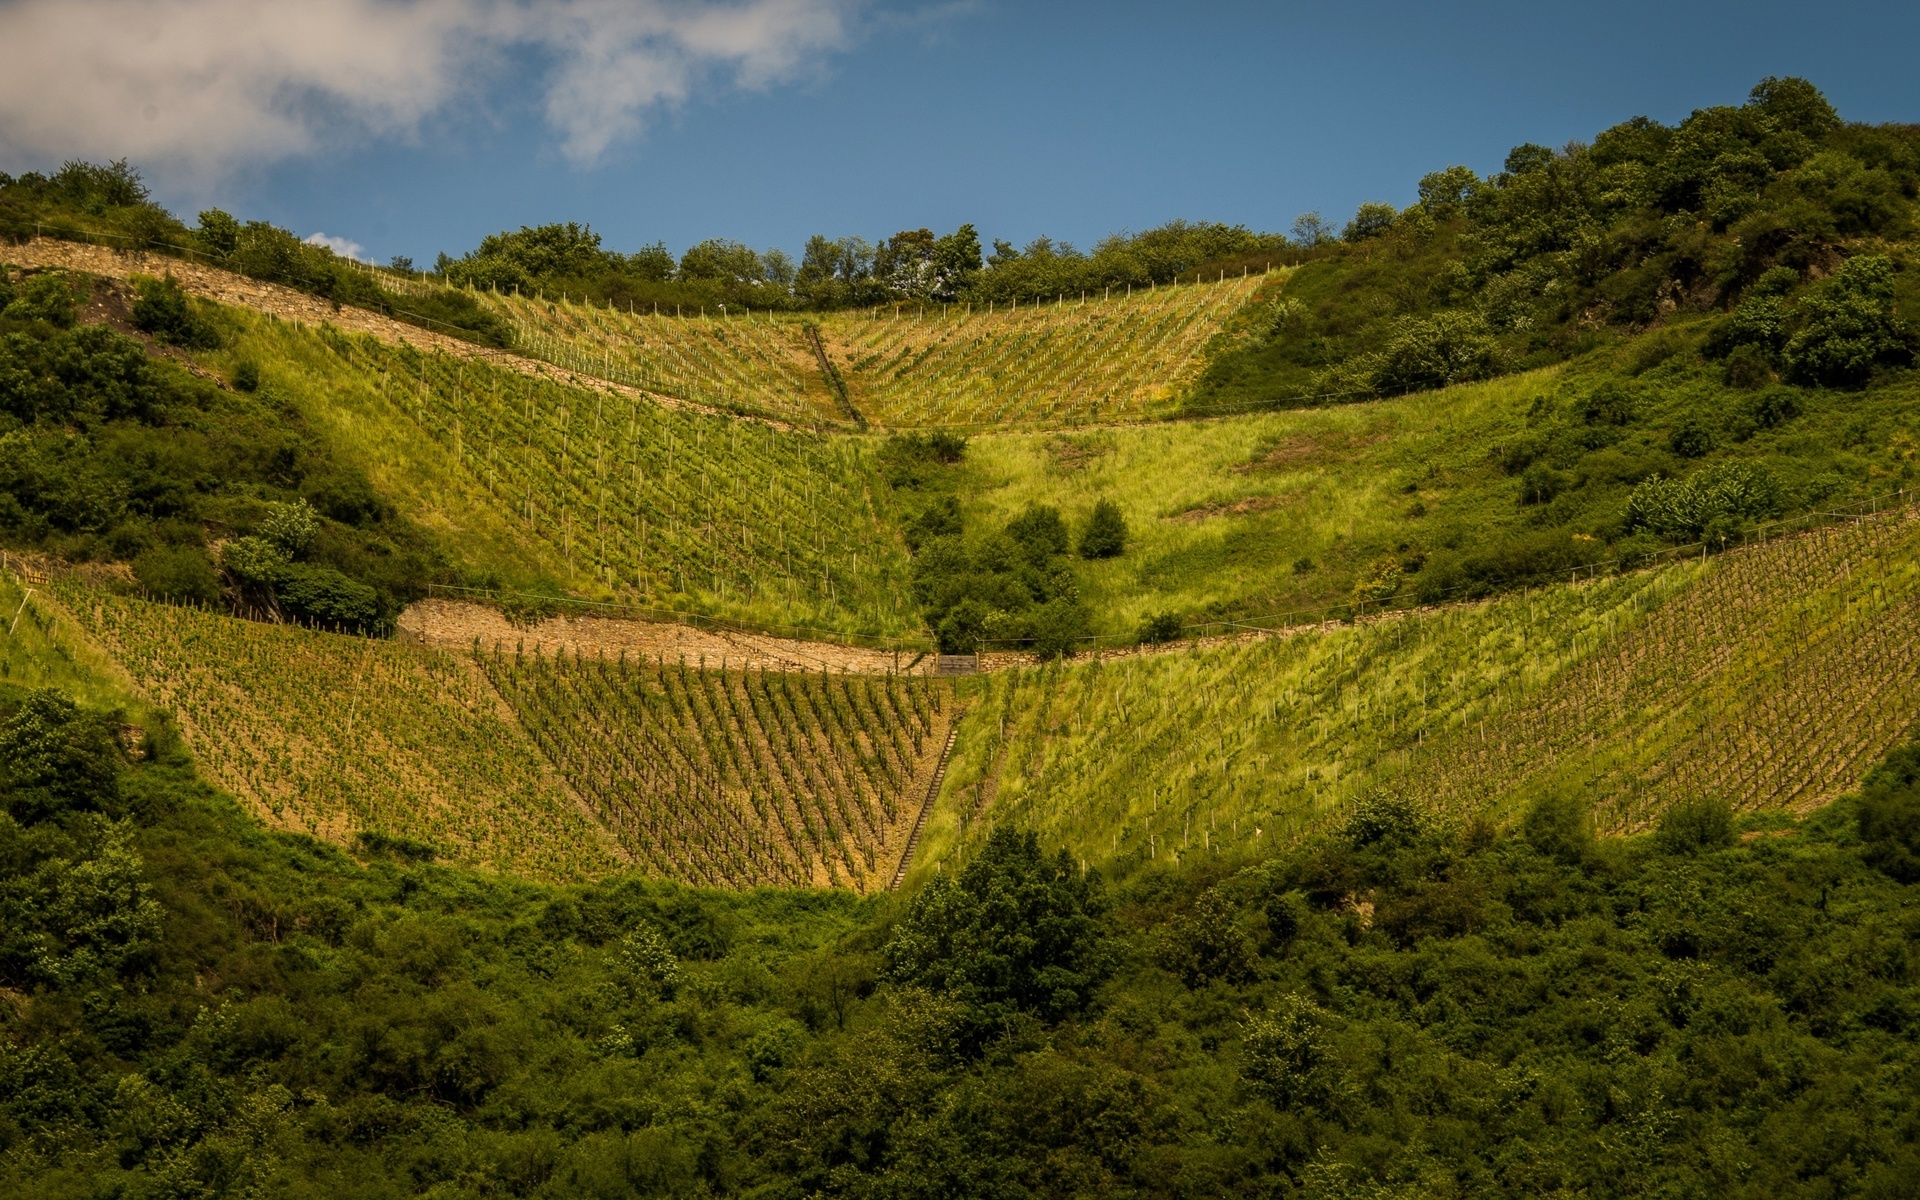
926, 806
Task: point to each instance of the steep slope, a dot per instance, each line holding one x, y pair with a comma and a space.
1767, 677
338, 736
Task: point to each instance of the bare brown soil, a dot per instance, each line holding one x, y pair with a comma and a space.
455, 624
1236, 508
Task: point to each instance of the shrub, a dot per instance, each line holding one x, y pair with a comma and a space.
179, 573
1560, 827
246, 375
1695, 826
1206, 943
1850, 327
55, 759
1720, 496
1286, 1056
326, 597
1690, 439
1040, 531
1432, 352
163, 311
1540, 483
1385, 823
292, 527
45, 297
253, 561
1889, 815
1159, 628
1106, 532
1057, 627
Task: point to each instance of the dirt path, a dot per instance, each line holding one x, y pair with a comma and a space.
226, 287
455, 624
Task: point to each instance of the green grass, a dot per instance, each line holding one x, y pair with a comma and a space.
1220, 512
1768, 677
1268, 514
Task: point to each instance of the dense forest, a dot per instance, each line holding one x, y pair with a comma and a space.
1749, 218
193, 1007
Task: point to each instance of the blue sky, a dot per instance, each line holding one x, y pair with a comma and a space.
1067, 119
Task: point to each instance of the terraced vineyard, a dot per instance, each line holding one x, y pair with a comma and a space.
1092, 358
737, 778
335, 735
1770, 677
755, 363
1107, 357
1772, 683
637, 500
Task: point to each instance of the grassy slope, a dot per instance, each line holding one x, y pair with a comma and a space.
1221, 511
416, 464
1769, 677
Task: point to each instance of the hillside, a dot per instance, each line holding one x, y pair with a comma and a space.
1765, 678
1434, 719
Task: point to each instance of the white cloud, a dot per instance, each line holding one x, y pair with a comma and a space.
203, 86
344, 247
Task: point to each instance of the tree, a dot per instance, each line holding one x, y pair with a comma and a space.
722, 259
956, 260
1040, 531
1106, 532
1430, 352
1370, 220
1311, 230
905, 263
1695, 826
1207, 943
1850, 327
163, 311
1444, 193
54, 759
218, 232
1889, 815
1017, 931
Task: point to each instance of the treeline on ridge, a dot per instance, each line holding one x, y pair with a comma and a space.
110, 205
1743, 215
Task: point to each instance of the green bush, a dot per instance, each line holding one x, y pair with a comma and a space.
1720, 496
1158, 628
1849, 327
164, 311
326, 597
1560, 827
1106, 533
47, 296
1889, 815
1016, 931
1695, 826
56, 759
1433, 352
178, 573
